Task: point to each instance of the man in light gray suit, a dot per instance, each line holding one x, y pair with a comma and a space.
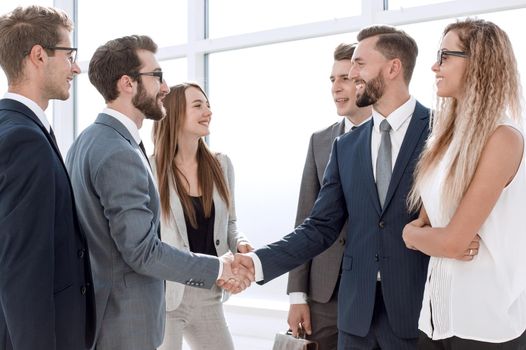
119, 205
313, 286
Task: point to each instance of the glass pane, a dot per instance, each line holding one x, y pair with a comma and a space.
97, 26
231, 17
400, 4
90, 103
267, 101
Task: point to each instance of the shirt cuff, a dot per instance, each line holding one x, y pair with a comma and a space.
298, 298
220, 269
257, 266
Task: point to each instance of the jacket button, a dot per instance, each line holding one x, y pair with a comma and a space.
342, 241
80, 253
376, 258
381, 224
217, 242
83, 290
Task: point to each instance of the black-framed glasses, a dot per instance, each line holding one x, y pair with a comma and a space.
442, 53
155, 73
72, 54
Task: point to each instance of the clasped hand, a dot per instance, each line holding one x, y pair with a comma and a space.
238, 272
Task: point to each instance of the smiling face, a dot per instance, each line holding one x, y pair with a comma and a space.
198, 114
150, 90
343, 89
59, 70
367, 72
450, 74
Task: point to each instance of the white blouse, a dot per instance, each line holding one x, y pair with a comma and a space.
483, 299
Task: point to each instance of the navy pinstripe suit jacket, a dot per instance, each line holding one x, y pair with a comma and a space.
374, 236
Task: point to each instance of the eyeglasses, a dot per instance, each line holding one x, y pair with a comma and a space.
72, 54
442, 53
156, 73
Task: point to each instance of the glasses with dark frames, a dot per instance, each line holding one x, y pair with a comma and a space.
441, 53
156, 73
72, 54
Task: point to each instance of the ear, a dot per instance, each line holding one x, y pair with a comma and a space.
395, 68
125, 85
37, 55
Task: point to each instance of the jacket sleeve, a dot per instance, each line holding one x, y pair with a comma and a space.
27, 213
122, 183
298, 280
234, 235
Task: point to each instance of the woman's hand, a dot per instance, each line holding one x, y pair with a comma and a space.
244, 247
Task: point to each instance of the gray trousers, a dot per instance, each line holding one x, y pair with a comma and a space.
323, 317
200, 320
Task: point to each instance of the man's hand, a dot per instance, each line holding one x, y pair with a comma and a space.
471, 251
235, 277
299, 318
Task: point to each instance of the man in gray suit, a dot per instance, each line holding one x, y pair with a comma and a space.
313, 286
119, 205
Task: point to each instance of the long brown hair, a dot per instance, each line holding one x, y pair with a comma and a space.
491, 91
209, 173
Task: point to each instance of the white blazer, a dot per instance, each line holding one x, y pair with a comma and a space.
226, 235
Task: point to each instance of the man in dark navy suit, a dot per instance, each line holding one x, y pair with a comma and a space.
46, 292
367, 180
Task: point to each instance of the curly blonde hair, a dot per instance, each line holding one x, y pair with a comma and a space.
491, 91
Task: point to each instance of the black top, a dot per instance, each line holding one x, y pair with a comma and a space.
201, 239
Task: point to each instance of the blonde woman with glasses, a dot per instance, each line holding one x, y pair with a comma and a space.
471, 185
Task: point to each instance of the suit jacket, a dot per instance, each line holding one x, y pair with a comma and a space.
374, 235
226, 235
317, 277
46, 291
118, 207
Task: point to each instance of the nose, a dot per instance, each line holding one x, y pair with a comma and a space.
164, 87
353, 72
75, 68
435, 67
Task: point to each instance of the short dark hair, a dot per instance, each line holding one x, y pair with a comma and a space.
116, 58
394, 43
344, 51
25, 27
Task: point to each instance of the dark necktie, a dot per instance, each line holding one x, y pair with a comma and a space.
141, 146
384, 167
353, 127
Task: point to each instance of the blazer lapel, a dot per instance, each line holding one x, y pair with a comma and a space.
419, 122
178, 216
366, 163
219, 218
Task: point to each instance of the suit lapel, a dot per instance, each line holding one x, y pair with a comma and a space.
366, 163
419, 122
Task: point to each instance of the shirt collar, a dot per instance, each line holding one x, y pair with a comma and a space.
127, 122
397, 117
349, 124
32, 105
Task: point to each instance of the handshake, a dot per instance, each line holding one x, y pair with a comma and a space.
238, 271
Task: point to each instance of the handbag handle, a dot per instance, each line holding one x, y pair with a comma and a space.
302, 335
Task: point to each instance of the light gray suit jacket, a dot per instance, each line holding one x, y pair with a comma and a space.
226, 235
118, 207
317, 277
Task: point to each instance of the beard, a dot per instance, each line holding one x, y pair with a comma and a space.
148, 105
372, 91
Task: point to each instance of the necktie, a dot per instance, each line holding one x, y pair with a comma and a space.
384, 167
353, 127
141, 146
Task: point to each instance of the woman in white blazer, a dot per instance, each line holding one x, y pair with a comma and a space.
196, 188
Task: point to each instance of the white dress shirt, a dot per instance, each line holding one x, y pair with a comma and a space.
32, 105
399, 120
